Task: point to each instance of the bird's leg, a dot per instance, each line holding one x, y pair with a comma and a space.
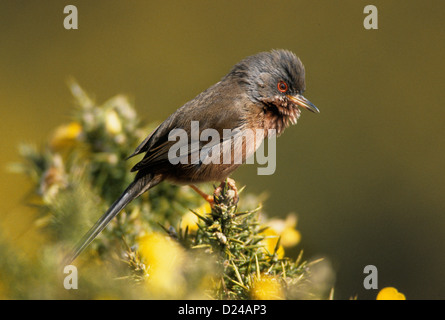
207, 197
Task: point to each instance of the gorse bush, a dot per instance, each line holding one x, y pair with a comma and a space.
167, 244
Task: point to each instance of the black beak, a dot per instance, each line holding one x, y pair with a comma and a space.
303, 102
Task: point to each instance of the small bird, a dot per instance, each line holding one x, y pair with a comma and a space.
261, 92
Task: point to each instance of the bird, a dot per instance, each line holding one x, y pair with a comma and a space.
262, 93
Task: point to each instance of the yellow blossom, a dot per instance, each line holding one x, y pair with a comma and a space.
164, 259
286, 229
390, 293
66, 135
112, 122
266, 287
270, 242
190, 219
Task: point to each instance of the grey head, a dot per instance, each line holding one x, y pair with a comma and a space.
275, 79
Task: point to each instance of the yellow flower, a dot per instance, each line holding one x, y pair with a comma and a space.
286, 230
270, 242
164, 259
66, 135
190, 219
113, 124
390, 293
266, 287
283, 230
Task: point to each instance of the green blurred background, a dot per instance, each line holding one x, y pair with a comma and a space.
366, 176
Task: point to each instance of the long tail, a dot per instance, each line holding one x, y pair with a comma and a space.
134, 190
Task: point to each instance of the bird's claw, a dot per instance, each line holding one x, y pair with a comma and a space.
212, 199
231, 187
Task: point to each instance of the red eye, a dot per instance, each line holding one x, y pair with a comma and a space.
282, 86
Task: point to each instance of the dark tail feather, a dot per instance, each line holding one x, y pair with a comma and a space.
134, 190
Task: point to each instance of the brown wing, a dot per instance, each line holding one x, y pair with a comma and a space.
214, 108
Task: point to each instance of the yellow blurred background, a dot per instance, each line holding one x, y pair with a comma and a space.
366, 177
